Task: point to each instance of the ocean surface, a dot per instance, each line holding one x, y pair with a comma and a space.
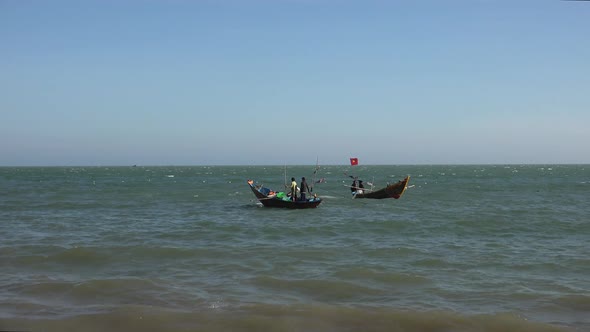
466, 248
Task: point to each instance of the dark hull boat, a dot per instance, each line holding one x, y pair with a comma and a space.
268, 198
395, 190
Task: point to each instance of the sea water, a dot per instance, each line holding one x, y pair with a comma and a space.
466, 248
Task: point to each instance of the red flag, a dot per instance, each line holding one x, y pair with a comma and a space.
354, 161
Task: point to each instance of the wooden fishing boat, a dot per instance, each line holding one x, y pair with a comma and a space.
269, 198
395, 190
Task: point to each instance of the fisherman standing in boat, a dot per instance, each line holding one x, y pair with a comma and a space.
360, 188
304, 188
357, 186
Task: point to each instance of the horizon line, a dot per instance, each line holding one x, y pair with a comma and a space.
296, 165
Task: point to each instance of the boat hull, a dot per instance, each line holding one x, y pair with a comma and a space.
269, 201
395, 191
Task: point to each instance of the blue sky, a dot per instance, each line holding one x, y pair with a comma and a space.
261, 82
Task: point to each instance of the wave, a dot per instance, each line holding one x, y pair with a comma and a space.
575, 302
258, 317
80, 255
315, 288
364, 275
39, 255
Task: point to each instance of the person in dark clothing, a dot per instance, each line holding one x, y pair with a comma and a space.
304, 188
355, 185
361, 187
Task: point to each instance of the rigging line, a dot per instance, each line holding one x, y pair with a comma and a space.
285, 181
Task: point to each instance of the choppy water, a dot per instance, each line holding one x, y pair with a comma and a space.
467, 248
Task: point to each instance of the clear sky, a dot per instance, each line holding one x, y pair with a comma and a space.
273, 82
